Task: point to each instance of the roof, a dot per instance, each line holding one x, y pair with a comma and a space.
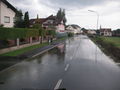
9, 5
74, 26
42, 20
105, 29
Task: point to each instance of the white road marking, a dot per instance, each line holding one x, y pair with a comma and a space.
58, 84
67, 66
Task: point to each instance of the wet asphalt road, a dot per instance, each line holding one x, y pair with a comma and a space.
82, 66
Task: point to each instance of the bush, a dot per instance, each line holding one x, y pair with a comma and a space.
13, 33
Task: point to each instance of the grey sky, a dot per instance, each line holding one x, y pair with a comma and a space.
76, 11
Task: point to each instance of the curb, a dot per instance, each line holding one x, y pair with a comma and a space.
29, 58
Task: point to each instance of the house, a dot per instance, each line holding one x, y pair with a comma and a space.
73, 29
7, 13
105, 32
49, 23
91, 32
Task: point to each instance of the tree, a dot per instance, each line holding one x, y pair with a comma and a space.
61, 16
26, 20
64, 17
42, 31
18, 22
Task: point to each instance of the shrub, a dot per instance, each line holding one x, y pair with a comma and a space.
13, 33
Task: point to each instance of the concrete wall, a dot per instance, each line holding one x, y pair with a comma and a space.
5, 11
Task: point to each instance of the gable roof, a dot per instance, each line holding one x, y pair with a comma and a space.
105, 29
74, 26
42, 20
9, 5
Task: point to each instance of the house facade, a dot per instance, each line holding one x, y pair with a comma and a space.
105, 32
74, 29
91, 32
49, 23
7, 13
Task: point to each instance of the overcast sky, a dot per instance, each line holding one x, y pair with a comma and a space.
76, 11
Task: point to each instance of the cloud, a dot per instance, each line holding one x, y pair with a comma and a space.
72, 3
76, 10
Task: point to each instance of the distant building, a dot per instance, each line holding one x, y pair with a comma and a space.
7, 13
91, 32
73, 29
49, 23
105, 32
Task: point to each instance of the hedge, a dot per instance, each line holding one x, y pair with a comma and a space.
13, 33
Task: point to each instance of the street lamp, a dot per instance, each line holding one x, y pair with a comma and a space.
97, 29
97, 16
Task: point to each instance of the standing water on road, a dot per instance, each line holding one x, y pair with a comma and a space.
77, 65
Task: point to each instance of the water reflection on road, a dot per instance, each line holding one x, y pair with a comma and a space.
72, 62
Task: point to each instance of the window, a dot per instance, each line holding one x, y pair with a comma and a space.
7, 19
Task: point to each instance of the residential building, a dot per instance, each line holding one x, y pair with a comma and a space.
91, 32
49, 23
105, 32
73, 29
7, 13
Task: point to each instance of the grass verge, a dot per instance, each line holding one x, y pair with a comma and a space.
27, 49
23, 50
109, 45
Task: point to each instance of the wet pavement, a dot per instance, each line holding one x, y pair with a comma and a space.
77, 65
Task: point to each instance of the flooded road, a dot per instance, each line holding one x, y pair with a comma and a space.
77, 65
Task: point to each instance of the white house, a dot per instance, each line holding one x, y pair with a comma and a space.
92, 32
7, 13
105, 32
74, 29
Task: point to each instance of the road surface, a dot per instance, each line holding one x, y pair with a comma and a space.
80, 65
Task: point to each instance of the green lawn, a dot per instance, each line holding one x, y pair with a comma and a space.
110, 45
113, 40
23, 50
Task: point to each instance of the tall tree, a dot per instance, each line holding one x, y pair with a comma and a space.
61, 16
64, 17
18, 20
26, 20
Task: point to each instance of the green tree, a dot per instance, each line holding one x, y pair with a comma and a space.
64, 17
42, 31
26, 20
61, 16
18, 20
